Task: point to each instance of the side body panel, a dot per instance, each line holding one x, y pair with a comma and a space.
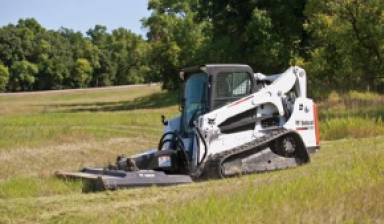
302, 120
294, 113
173, 125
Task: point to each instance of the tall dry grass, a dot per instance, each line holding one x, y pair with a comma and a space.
351, 115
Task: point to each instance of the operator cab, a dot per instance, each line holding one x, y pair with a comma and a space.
209, 87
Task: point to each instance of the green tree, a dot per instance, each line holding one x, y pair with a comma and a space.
11, 48
103, 73
31, 25
4, 77
348, 39
81, 75
128, 55
75, 50
176, 39
266, 34
116, 58
22, 76
54, 58
98, 35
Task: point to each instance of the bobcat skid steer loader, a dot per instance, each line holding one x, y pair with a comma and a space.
232, 122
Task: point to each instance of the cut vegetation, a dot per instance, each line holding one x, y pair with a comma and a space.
40, 133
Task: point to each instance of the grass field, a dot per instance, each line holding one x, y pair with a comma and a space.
41, 133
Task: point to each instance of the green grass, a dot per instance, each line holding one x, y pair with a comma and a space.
29, 188
343, 184
42, 133
348, 190
37, 130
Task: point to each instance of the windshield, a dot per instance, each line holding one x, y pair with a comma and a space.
194, 100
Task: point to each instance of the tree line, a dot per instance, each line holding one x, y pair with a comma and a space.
33, 58
339, 42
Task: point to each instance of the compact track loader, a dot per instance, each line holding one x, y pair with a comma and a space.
232, 122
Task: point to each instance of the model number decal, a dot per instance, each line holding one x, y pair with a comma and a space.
304, 123
150, 175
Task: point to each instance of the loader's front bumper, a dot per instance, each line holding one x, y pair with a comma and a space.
100, 179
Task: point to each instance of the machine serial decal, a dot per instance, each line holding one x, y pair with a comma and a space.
240, 101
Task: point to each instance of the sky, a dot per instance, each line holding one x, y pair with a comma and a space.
79, 15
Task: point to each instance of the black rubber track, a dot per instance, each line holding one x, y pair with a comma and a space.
212, 168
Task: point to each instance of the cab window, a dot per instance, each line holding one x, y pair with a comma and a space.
231, 86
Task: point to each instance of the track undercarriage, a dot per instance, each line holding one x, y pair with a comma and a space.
260, 155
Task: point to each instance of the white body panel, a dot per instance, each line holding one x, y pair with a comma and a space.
228, 141
303, 121
271, 98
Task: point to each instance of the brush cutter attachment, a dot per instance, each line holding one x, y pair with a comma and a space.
155, 167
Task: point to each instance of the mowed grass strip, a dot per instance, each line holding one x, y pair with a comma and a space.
42, 133
63, 128
35, 103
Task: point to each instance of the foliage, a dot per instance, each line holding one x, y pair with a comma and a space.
348, 42
4, 77
82, 72
175, 37
265, 34
115, 58
22, 75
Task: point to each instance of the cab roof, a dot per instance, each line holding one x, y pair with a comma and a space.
212, 69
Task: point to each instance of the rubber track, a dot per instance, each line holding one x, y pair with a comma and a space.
212, 168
